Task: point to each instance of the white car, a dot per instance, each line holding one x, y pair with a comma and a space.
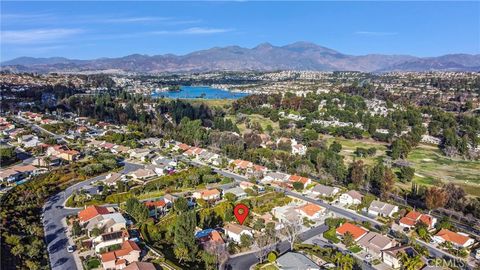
368, 257
70, 249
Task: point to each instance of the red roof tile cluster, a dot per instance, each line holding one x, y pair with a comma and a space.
296, 178
91, 212
413, 217
453, 237
355, 230
127, 247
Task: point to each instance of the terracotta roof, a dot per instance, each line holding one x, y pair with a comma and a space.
160, 203
216, 237
413, 217
91, 212
109, 256
24, 168
209, 192
407, 221
355, 230
296, 178
127, 247
259, 168
244, 164
310, 209
183, 146
453, 237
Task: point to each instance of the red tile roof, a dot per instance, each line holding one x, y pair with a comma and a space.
355, 230
91, 212
296, 178
160, 203
453, 237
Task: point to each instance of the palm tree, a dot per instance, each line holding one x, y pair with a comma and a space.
347, 262
410, 263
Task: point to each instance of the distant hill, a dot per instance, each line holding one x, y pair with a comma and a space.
264, 57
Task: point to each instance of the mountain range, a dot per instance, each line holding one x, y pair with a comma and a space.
264, 57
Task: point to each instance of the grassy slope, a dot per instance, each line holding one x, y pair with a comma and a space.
431, 166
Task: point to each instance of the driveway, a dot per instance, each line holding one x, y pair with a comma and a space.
53, 214
244, 261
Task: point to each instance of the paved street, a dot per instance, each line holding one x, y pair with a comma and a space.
55, 236
245, 261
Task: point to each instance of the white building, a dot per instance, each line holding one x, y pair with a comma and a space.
235, 231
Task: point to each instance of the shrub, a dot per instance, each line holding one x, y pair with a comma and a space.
272, 257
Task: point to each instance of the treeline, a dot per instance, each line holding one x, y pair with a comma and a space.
22, 245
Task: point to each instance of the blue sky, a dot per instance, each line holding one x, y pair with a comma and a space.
85, 30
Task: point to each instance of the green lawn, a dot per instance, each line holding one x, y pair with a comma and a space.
431, 166
355, 249
264, 122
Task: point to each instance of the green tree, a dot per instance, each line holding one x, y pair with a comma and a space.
184, 239
406, 174
348, 240
246, 241
298, 186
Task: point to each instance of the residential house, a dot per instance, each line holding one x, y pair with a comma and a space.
194, 152
414, 217
181, 147
356, 231
17, 173
164, 161
299, 149
108, 223
142, 174
119, 259
286, 213
28, 141
237, 191
170, 199
324, 191
140, 266
235, 231
109, 239
378, 208
92, 211
373, 243
311, 211
294, 261
207, 194
274, 177
141, 154
459, 240
209, 237
352, 197
241, 166
156, 208
245, 185
62, 151
392, 256
112, 178
304, 180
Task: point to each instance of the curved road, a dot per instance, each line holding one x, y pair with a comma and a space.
53, 214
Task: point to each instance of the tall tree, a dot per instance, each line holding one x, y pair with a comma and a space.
184, 238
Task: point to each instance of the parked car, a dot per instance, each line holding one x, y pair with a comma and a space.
70, 249
368, 257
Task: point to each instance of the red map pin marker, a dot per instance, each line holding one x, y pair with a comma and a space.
241, 212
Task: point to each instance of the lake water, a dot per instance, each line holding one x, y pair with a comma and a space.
200, 92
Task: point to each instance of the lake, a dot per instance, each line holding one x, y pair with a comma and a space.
200, 92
